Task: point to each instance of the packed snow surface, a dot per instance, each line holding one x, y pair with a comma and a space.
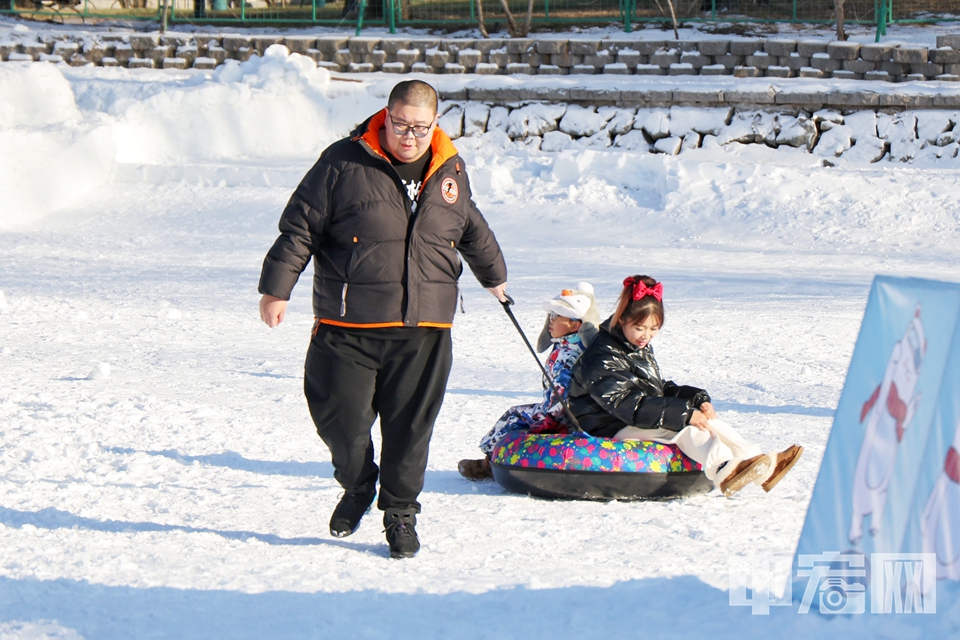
160, 474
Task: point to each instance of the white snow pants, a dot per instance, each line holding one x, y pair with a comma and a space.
703, 447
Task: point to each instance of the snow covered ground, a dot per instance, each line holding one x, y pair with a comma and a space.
159, 473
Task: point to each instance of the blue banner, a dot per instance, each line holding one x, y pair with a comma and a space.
888, 489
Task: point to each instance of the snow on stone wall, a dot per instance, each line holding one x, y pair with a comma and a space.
743, 57
863, 136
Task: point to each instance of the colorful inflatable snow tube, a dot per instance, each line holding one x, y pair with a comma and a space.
580, 467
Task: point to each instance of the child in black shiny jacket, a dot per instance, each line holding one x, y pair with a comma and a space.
618, 392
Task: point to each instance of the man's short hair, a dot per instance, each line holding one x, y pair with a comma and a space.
415, 93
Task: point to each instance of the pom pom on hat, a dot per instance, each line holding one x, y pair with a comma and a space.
572, 303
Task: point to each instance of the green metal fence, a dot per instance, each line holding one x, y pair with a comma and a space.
453, 14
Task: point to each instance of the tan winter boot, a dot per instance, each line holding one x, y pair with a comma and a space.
783, 462
476, 469
744, 473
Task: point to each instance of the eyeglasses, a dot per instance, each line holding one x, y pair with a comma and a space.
401, 128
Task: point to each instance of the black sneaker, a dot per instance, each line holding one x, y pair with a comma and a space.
401, 532
346, 517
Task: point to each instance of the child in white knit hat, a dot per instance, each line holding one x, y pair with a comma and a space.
571, 323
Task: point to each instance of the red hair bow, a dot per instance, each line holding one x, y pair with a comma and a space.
640, 289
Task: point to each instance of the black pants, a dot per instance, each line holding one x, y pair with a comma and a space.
350, 379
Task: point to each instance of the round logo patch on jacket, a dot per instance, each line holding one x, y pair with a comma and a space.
449, 190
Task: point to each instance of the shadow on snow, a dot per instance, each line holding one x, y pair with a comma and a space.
52, 519
668, 608
232, 460
796, 409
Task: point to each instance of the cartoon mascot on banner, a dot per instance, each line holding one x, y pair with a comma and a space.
940, 523
887, 414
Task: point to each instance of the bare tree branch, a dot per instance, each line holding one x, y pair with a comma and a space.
483, 27
526, 25
673, 16
511, 23
841, 34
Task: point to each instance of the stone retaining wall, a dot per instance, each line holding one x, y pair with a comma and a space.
864, 136
743, 57
750, 96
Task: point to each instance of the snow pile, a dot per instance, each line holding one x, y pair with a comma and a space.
276, 106
787, 198
169, 312
35, 95
63, 131
49, 155
99, 372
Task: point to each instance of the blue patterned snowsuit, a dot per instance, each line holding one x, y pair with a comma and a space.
522, 417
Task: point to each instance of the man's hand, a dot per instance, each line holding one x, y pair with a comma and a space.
499, 292
272, 310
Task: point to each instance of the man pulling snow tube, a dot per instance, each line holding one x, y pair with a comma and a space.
581, 467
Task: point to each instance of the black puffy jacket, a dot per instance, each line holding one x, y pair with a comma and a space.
617, 384
378, 260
